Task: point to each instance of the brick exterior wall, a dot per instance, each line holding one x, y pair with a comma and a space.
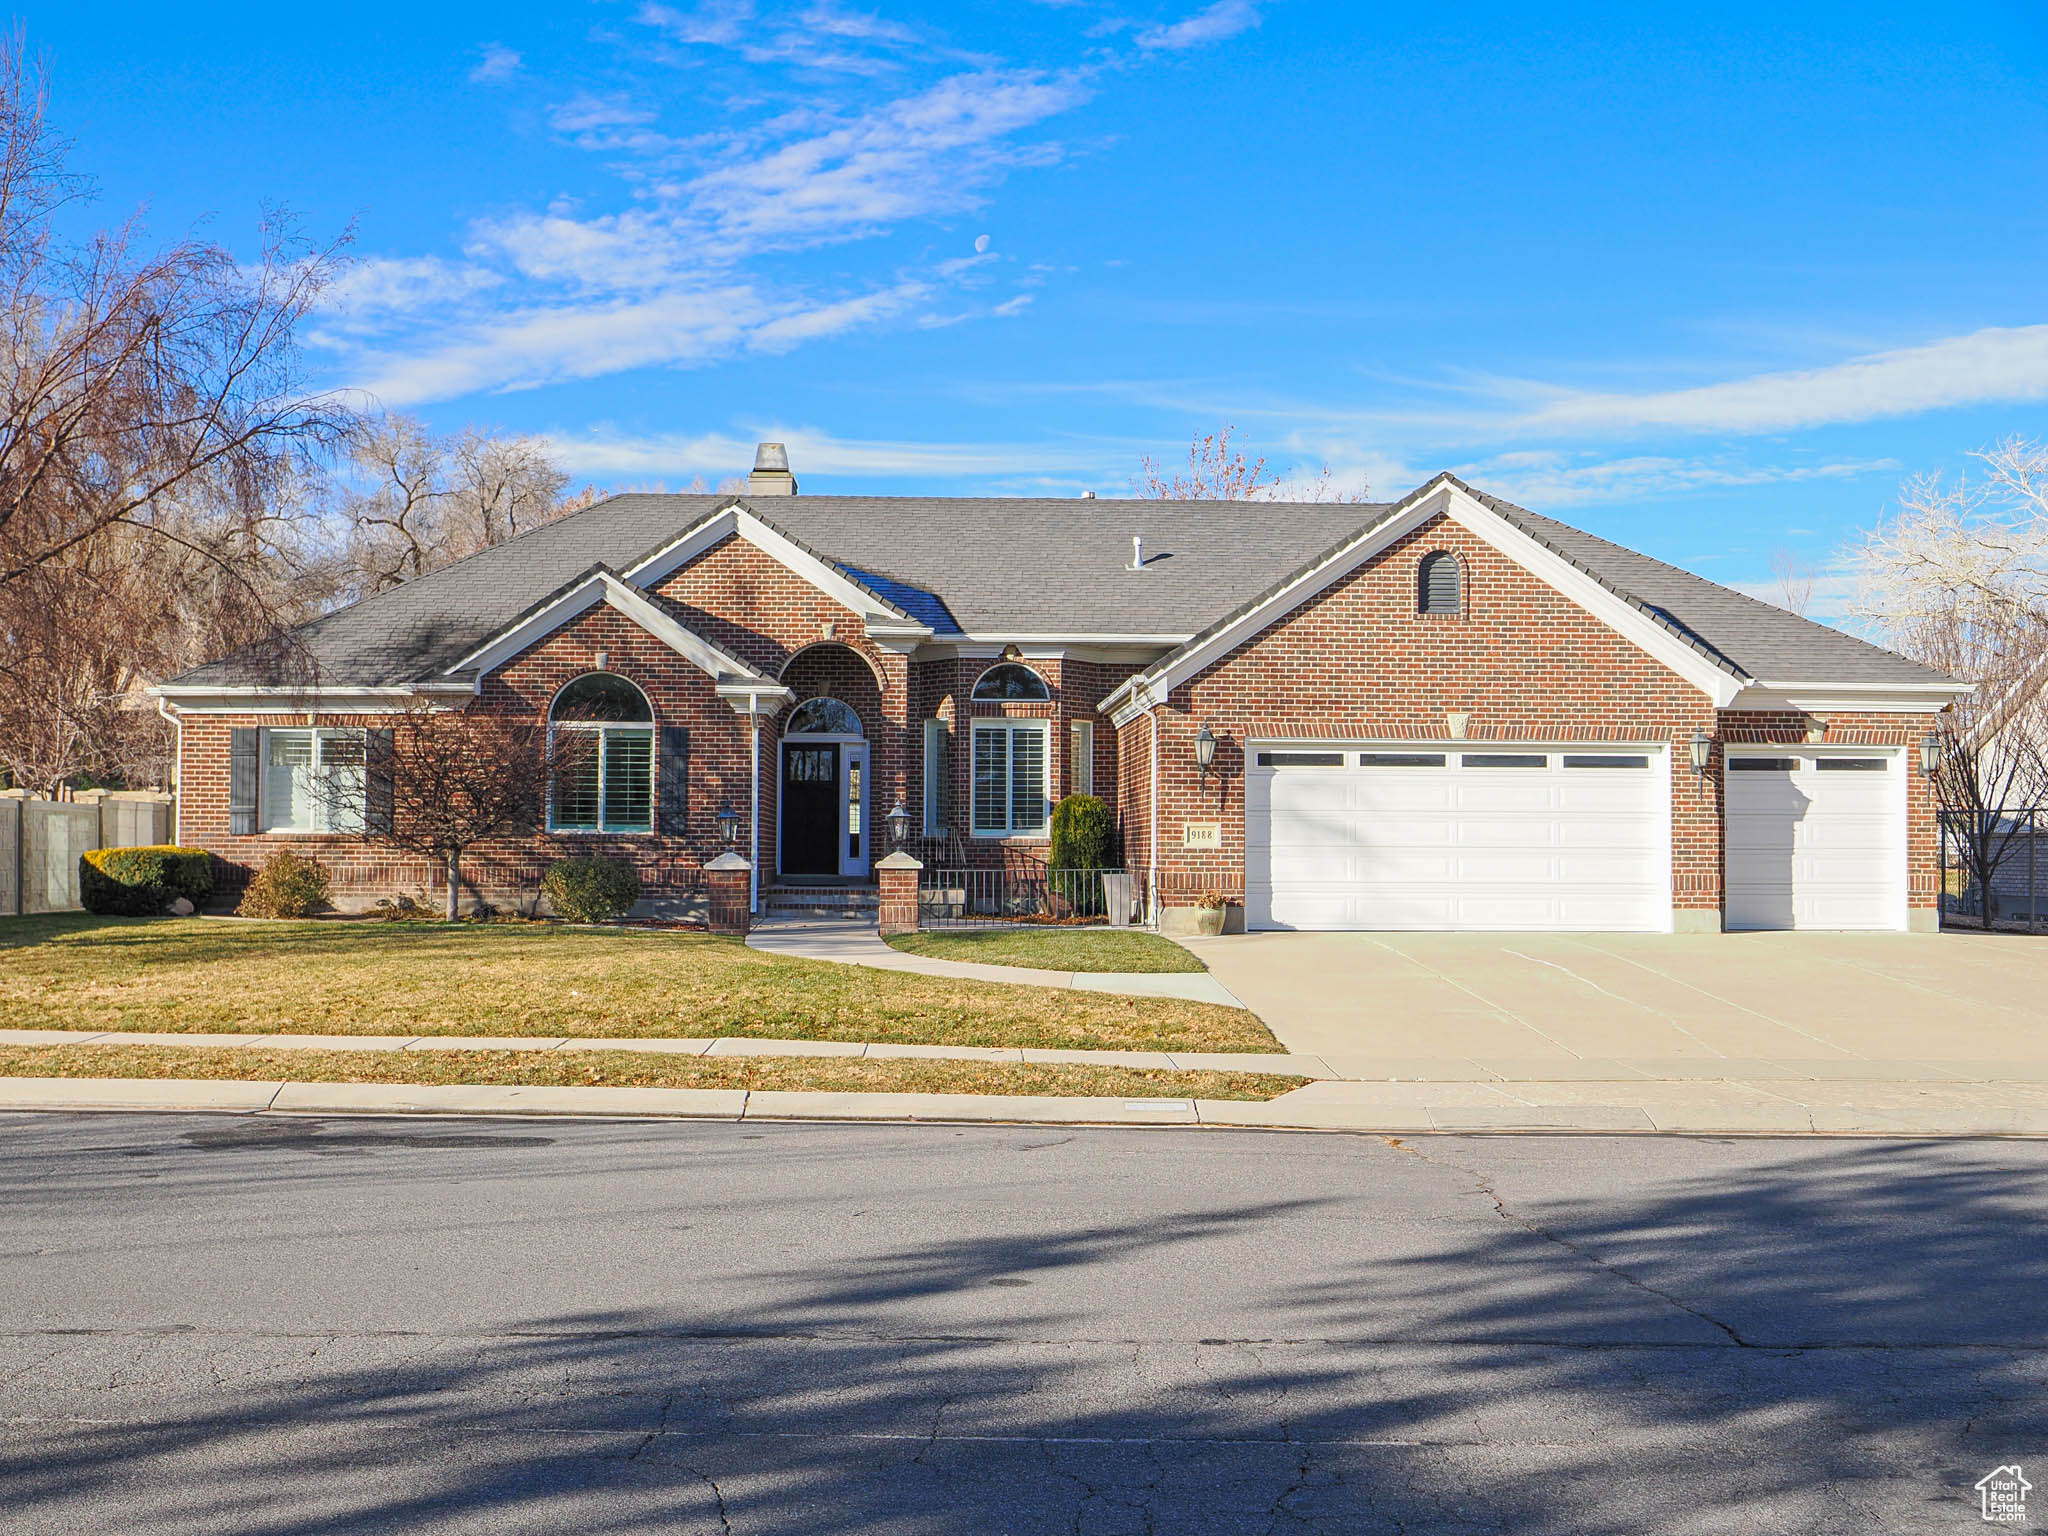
1520, 659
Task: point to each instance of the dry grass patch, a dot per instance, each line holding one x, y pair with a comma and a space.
632, 1069
199, 975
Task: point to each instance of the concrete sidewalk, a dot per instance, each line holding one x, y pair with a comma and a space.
1757, 1096
859, 943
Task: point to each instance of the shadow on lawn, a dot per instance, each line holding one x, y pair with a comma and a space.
1813, 1343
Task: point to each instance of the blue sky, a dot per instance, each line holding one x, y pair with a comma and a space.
1710, 285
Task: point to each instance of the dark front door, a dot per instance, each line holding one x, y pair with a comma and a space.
810, 808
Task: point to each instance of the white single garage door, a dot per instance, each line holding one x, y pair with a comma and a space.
1430, 837
1816, 838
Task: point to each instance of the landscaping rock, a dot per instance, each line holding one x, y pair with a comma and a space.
182, 908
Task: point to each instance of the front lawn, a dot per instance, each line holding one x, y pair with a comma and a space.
634, 1069
366, 978
1055, 949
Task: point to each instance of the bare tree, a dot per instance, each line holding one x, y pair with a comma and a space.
1219, 471
1958, 578
1795, 581
152, 424
413, 501
438, 782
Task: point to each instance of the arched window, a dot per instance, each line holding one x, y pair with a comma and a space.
1010, 683
823, 717
1437, 584
607, 784
600, 696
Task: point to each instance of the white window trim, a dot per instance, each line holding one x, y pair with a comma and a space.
975, 695
934, 775
320, 735
1081, 758
1013, 832
601, 729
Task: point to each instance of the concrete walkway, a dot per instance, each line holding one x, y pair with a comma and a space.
1773, 1097
859, 943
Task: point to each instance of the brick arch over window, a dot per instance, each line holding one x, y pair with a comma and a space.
836, 671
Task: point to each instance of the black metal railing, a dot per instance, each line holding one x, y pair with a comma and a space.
1029, 893
1994, 870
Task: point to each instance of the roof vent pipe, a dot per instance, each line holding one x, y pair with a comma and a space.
771, 476
1137, 554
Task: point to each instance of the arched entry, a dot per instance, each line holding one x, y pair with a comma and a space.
824, 816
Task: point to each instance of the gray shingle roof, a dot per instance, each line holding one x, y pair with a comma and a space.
1022, 566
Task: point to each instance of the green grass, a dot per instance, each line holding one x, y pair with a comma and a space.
1055, 949
634, 1069
366, 978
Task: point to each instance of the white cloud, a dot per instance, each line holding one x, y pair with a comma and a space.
822, 36
1015, 306
373, 288
1224, 19
1992, 365
1553, 478
495, 63
918, 156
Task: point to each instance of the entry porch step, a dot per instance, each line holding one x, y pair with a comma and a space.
855, 901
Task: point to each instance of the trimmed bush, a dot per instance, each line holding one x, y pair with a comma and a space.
286, 886
141, 882
1083, 834
591, 890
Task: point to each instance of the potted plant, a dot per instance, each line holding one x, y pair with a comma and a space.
1209, 909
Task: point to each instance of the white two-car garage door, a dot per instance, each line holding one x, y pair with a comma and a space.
1816, 838
1422, 837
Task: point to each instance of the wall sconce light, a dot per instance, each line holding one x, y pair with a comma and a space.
729, 825
1702, 746
899, 823
1205, 751
1930, 755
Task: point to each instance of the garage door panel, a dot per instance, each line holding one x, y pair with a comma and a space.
1814, 847
1458, 847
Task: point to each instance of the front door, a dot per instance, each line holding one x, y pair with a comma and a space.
825, 808
810, 808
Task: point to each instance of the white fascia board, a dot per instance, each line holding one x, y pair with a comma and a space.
689, 645
1084, 637
881, 622
1878, 698
672, 557
501, 648
204, 700
1633, 625
1341, 563
604, 587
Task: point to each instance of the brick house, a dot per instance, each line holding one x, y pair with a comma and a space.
1440, 712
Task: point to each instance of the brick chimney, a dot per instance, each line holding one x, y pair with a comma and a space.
771, 476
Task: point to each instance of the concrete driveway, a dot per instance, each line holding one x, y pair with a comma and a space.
1539, 1004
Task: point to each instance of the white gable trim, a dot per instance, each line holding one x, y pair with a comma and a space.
1619, 615
1147, 689
604, 587
265, 699
881, 619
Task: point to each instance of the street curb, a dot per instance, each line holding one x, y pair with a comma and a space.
732, 1104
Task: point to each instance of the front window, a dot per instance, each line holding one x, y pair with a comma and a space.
313, 781
1010, 683
1010, 797
608, 786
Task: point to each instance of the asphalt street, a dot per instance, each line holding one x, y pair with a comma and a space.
237, 1325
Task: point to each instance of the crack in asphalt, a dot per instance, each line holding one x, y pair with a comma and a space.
1536, 1229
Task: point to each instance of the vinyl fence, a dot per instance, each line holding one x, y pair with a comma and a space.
40, 841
